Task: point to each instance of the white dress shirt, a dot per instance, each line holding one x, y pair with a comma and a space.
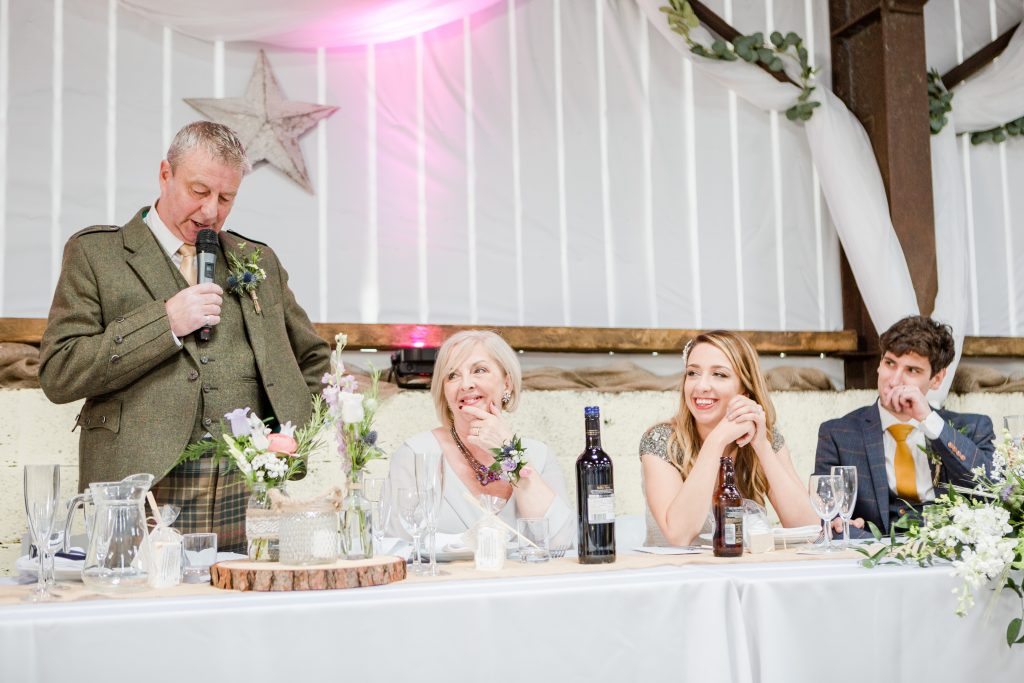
163, 235
166, 239
930, 428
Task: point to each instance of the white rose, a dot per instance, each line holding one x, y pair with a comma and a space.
260, 441
352, 408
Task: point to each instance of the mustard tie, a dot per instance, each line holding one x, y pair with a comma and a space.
903, 464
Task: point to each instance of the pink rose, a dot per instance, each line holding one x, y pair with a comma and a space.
279, 443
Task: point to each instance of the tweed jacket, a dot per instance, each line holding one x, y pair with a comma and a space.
108, 340
856, 439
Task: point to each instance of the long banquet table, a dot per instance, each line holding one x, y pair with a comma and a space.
648, 618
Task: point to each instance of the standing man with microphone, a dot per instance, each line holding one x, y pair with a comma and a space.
158, 348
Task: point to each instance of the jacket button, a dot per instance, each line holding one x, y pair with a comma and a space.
103, 419
115, 358
206, 388
119, 319
207, 422
118, 339
88, 420
193, 375
204, 359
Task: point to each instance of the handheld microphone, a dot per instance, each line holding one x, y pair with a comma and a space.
206, 262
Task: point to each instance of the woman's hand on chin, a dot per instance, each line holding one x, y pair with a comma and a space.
732, 431
487, 428
743, 410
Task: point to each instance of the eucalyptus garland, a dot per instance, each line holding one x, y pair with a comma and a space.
940, 102
752, 49
1014, 128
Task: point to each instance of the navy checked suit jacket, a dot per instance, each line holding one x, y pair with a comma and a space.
856, 439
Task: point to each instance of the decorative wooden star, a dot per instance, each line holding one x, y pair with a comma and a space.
267, 124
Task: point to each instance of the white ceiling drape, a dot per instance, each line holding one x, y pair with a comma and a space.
305, 24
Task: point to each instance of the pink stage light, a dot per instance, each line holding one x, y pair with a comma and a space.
306, 24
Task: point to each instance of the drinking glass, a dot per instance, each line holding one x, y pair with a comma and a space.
533, 539
824, 495
429, 469
200, 554
412, 513
1015, 425
42, 493
847, 496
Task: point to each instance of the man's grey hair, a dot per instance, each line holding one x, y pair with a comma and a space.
220, 141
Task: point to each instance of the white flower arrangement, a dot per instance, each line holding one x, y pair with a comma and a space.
979, 531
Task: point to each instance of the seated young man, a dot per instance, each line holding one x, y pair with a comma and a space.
902, 449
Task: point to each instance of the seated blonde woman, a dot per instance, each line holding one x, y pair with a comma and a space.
477, 377
724, 410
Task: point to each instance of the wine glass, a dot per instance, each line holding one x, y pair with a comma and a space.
1015, 425
847, 496
824, 495
376, 491
412, 511
42, 493
429, 469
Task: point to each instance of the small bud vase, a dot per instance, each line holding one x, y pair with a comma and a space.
356, 540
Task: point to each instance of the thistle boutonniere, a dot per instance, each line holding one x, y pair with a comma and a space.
245, 274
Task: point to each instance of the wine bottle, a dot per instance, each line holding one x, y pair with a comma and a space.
728, 507
595, 496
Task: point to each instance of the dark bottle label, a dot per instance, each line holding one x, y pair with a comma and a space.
601, 504
733, 534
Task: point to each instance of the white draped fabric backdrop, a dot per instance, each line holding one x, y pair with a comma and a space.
549, 162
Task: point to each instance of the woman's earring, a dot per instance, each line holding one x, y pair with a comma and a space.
506, 398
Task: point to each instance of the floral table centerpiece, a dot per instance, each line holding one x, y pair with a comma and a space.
352, 413
265, 460
977, 530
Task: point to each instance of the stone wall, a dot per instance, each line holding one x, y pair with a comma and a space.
33, 430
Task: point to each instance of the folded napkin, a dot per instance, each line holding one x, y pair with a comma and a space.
796, 535
63, 568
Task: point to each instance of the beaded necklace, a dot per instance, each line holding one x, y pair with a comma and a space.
483, 473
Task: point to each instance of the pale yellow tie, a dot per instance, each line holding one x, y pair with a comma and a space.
903, 464
188, 262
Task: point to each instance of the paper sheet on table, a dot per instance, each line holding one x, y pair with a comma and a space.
669, 550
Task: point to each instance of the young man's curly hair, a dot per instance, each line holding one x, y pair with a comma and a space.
921, 335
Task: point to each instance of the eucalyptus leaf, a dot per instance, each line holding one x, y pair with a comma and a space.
777, 39
1013, 631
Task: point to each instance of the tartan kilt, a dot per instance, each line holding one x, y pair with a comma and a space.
211, 499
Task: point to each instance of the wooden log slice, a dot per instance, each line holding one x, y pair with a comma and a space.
246, 575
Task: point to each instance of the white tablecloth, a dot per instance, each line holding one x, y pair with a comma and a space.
815, 622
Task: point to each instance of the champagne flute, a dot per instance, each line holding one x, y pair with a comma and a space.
429, 468
376, 490
847, 496
824, 495
411, 511
42, 493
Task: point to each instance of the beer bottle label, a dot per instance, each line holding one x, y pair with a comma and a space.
734, 526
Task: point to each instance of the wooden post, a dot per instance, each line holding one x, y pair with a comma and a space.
879, 70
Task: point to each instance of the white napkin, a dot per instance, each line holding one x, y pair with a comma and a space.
62, 566
668, 550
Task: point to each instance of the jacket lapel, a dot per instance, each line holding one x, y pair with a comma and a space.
253, 321
153, 267
874, 451
148, 260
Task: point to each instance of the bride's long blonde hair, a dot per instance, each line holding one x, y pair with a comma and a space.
686, 442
